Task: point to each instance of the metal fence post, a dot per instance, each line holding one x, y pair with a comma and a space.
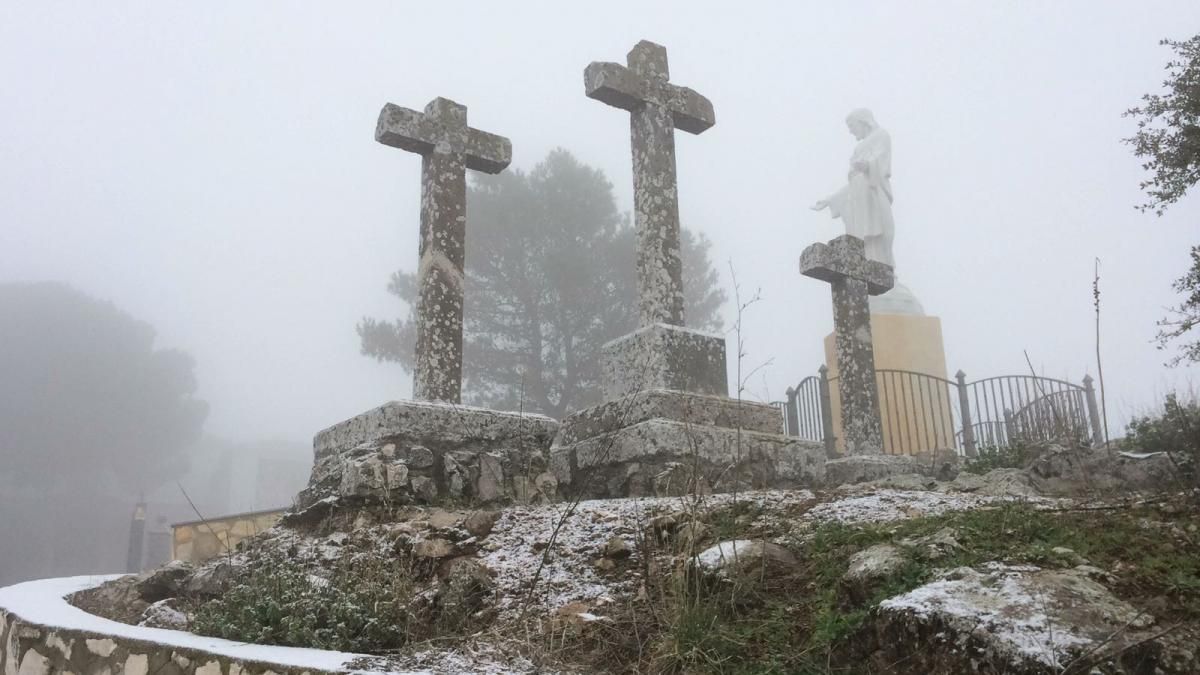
964, 406
1010, 429
791, 421
1093, 412
827, 413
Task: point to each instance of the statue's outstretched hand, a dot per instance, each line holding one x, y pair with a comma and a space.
821, 204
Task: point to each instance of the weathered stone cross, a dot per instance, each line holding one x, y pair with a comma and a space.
656, 108
448, 147
854, 278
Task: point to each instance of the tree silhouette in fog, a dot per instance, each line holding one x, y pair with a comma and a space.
549, 278
86, 401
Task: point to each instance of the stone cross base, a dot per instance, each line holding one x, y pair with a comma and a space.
417, 452
662, 356
864, 468
663, 442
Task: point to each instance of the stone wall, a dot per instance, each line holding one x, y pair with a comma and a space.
40, 634
199, 540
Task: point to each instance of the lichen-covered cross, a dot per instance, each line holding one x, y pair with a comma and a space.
854, 278
656, 109
448, 147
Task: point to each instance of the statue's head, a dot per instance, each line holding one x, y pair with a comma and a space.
861, 122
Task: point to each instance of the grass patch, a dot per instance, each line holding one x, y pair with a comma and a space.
800, 620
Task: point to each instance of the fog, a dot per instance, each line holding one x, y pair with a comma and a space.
211, 169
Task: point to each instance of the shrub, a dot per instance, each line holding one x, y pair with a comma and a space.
364, 606
1175, 431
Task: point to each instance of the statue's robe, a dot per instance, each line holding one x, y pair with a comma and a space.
865, 204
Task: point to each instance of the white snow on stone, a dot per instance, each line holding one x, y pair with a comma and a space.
44, 603
998, 607
723, 553
1140, 455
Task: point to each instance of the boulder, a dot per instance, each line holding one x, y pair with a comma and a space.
1010, 619
165, 582
480, 523
868, 568
735, 556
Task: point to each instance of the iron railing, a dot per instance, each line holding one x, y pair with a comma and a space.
921, 412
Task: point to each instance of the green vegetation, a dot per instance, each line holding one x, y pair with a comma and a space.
1176, 431
803, 620
1014, 456
367, 605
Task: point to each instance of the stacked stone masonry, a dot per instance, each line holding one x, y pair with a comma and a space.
28, 648
413, 452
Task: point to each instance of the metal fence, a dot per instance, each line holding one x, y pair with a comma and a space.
921, 412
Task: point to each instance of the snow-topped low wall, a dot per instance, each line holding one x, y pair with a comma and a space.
41, 634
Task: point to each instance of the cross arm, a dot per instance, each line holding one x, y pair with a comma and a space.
845, 257
692, 112
486, 152
406, 129
614, 84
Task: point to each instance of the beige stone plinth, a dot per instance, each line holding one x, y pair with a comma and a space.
916, 412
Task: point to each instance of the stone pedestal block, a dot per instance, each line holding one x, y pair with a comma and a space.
424, 452
662, 356
665, 458
663, 442
865, 468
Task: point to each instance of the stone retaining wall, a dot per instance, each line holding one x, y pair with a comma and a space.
41, 634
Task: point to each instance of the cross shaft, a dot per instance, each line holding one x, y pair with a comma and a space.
448, 147
656, 109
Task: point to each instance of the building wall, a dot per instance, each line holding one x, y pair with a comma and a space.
198, 541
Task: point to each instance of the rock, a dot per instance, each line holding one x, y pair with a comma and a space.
165, 582
490, 485
691, 534
418, 457
996, 483
546, 484
868, 568
1001, 618
1074, 471
165, 614
211, 580
906, 481
616, 547
441, 519
480, 523
744, 554
935, 546
434, 548
424, 488
867, 468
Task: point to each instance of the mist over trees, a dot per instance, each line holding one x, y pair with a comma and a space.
1168, 140
91, 415
549, 278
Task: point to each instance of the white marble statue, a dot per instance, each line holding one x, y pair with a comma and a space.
865, 205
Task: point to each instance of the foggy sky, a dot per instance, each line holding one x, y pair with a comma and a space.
211, 169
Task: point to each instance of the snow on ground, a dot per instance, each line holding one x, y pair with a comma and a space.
516, 548
882, 505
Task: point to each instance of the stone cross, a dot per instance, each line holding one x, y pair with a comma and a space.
448, 147
656, 109
854, 278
